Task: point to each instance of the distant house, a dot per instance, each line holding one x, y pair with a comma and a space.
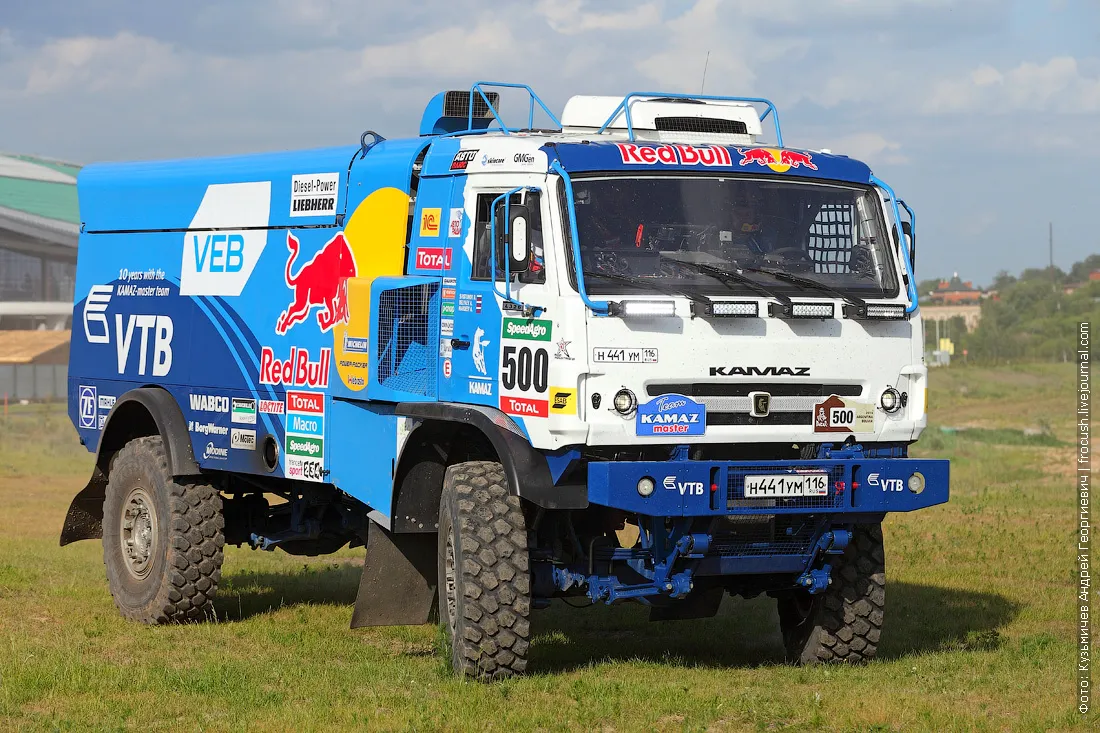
955, 292
1070, 288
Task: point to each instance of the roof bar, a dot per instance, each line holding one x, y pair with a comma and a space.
624, 106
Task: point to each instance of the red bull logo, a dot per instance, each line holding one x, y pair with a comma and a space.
320, 283
779, 161
674, 154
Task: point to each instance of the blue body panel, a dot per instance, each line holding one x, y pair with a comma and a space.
706, 488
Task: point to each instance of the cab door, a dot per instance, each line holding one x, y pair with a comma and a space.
493, 354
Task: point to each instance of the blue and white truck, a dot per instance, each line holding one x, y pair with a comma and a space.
636, 355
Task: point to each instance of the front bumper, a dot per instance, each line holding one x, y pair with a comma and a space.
857, 486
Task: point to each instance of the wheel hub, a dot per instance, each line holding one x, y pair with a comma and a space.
138, 532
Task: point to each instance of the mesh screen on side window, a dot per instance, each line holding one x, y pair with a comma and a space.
408, 332
830, 237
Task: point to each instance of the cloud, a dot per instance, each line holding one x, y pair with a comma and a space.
1059, 85
124, 61
571, 17
870, 147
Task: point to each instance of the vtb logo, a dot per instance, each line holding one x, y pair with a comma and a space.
320, 283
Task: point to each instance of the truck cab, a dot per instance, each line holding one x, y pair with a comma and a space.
639, 355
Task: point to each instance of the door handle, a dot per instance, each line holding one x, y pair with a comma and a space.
459, 344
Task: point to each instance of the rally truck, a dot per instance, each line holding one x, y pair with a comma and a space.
641, 352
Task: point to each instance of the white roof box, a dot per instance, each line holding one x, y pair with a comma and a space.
665, 119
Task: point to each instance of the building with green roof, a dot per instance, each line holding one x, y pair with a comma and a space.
39, 227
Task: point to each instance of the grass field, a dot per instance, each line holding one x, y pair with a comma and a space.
979, 629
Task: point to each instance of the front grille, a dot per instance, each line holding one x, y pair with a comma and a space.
728, 403
773, 418
765, 535
736, 501
742, 389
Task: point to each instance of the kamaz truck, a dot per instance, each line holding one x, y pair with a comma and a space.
640, 353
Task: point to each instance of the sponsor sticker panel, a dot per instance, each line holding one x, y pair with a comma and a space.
304, 445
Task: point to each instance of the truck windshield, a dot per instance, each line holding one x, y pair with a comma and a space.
663, 228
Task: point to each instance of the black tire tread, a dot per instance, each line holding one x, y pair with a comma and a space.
195, 535
492, 635
846, 620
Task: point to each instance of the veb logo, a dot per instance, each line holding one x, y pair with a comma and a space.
87, 407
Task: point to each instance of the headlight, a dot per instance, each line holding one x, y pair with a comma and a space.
916, 482
624, 402
645, 486
890, 400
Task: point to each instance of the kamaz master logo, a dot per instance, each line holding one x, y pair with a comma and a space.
738, 371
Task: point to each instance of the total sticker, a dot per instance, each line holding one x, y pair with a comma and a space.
836, 415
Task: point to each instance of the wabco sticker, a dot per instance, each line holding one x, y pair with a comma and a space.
429, 222
87, 407
624, 355
671, 414
209, 403
243, 411
455, 228
836, 415
530, 330
314, 194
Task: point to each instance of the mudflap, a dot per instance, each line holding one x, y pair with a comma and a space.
398, 585
700, 604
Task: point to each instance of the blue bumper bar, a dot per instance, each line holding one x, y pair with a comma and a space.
712, 488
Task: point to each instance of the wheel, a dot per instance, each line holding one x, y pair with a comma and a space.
484, 581
843, 623
162, 538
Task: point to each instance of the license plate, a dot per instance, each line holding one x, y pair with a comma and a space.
786, 485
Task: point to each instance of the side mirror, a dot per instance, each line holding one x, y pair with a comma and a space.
514, 241
907, 230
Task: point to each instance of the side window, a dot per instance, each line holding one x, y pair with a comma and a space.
536, 272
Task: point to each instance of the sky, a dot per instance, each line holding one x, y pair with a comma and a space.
982, 114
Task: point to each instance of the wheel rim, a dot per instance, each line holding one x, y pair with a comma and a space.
138, 532
450, 584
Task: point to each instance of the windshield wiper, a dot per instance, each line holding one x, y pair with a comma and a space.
808, 283
642, 282
725, 276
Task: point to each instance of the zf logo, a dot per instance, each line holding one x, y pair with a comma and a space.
97, 330
887, 484
87, 407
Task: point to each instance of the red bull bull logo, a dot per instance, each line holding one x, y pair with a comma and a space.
320, 283
777, 160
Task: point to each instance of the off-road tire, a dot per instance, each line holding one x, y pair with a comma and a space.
843, 623
485, 591
178, 581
